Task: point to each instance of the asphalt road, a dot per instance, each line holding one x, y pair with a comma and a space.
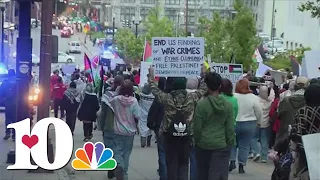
63, 46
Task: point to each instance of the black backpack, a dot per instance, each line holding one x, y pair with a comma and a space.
179, 125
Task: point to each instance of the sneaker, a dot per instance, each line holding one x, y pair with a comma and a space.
6, 137
251, 156
85, 139
256, 158
263, 161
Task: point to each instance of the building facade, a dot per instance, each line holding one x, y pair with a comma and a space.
297, 28
128, 10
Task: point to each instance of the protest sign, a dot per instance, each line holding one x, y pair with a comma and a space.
233, 72
144, 70
277, 76
177, 56
69, 68
310, 66
312, 150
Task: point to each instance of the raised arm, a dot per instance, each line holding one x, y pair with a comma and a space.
158, 93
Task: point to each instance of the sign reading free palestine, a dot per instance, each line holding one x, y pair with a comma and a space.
177, 56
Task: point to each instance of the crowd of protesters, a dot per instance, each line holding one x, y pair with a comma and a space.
204, 127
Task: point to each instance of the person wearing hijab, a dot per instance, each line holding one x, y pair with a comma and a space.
263, 131
71, 101
146, 99
106, 115
88, 111
306, 121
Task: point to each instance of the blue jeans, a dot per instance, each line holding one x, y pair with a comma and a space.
162, 161
193, 164
108, 137
122, 150
263, 135
245, 131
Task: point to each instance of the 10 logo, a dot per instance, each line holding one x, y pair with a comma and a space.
35, 144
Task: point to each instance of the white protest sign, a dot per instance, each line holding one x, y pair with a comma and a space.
233, 72
312, 150
310, 66
144, 70
177, 56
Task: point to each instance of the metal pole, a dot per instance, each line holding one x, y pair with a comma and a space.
137, 29
177, 25
272, 26
56, 7
2, 34
186, 16
113, 28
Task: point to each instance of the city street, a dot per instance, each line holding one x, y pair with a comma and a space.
63, 47
143, 163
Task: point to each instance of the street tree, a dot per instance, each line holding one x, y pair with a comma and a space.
213, 30
313, 7
241, 31
156, 25
129, 46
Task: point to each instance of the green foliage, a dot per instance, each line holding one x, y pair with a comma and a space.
282, 61
313, 7
129, 45
224, 37
157, 26
215, 36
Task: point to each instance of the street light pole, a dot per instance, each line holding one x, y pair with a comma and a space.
2, 31
186, 17
272, 25
136, 23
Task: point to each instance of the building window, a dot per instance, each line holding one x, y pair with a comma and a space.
291, 45
257, 2
127, 1
172, 2
126, 13
301, 46
148, 1
256, 17
296, 45
172, 14
217, 2
144, 12
192, 17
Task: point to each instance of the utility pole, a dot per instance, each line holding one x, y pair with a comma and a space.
45, 67
186, 16
272, 25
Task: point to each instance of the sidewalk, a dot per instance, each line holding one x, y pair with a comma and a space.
143, 163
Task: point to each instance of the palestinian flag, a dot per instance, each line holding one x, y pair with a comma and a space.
236, 68
295, 66
256, 57
147, 53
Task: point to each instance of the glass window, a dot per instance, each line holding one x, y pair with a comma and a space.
171, 14
148, 1
126, 13
172, 2
144, 13
217, 2
127, 1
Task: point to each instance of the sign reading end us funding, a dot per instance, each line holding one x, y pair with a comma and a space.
177, 56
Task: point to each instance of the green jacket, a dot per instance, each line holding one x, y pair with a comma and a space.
214, 123
106, 118
234, 102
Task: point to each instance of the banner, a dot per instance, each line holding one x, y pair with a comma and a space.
144, 70
233, 72
177, 56
312, 150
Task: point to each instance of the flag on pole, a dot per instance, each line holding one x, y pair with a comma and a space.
147, 53
257, 56
295, 66
88, 68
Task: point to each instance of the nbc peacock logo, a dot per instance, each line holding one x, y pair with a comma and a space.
94, 157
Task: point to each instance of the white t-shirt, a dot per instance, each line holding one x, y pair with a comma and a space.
249, 108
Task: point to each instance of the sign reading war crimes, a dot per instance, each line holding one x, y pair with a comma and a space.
177, 56
233, 72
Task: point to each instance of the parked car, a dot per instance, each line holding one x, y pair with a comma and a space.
276, 46
74, 47
65, 58
65, 33
69, 28
277, 40
35, 58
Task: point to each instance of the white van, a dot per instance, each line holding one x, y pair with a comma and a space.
74, 47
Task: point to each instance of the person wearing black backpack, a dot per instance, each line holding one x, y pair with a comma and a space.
8, 96
177, 127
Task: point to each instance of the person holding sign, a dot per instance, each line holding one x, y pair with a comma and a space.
179, 106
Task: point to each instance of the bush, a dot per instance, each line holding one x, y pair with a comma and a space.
281, 61
97, 35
